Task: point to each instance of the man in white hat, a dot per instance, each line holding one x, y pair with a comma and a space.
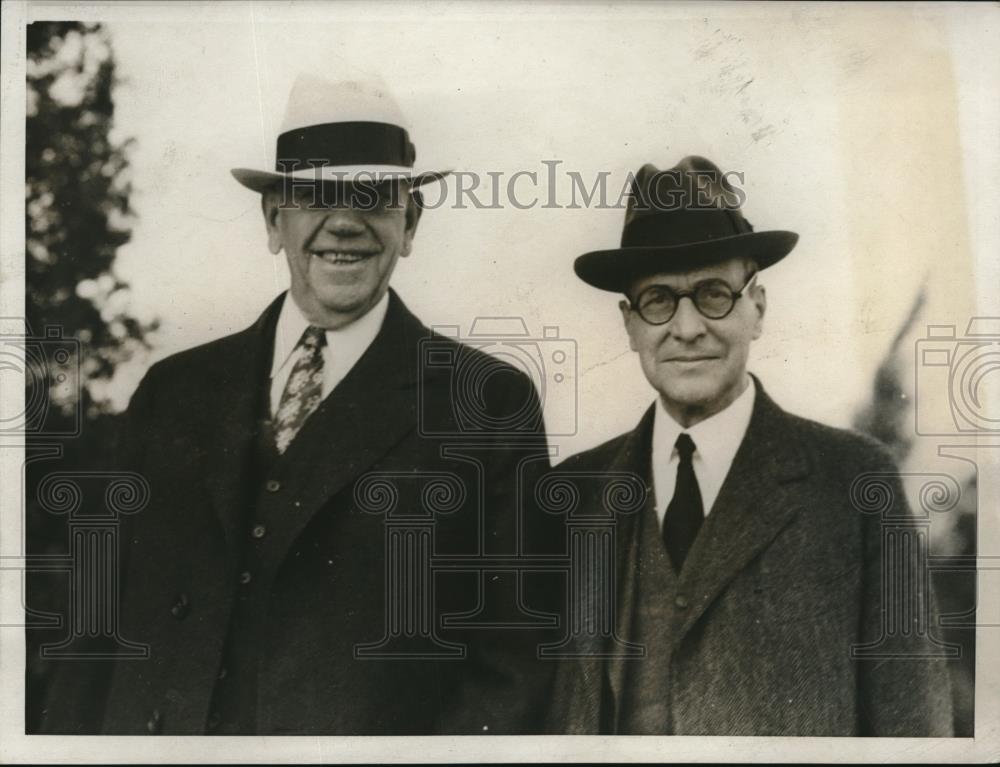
342, 202
752, 594
269, 576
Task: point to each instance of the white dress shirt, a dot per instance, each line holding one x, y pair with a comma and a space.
344, 346
716, 441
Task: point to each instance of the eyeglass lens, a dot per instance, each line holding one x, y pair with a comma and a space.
712, 298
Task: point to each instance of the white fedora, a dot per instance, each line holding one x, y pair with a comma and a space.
340, 131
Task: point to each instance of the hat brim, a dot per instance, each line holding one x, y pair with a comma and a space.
262, 180
616, 270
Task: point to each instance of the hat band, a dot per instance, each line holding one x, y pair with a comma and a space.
669, 228
344, 143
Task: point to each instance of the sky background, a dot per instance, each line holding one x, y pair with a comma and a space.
850, 129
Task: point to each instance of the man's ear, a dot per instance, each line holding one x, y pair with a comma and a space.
628, 319
413, 211
759, 297
269, 206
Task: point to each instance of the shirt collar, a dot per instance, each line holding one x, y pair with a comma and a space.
357, 335
717, 438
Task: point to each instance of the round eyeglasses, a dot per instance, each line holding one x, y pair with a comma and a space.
713, 299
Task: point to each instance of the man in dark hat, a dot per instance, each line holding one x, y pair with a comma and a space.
754, 585
303, 471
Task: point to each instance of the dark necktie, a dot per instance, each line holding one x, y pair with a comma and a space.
304, 390
684, 514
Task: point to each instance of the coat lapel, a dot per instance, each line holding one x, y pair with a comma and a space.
757, 499
369, 412
243, 364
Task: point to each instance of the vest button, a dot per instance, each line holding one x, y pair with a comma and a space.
681, 602
154, 725
259, 531
273, 486
245, 577
181, 607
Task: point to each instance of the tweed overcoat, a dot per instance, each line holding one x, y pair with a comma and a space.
784, 578
321, 578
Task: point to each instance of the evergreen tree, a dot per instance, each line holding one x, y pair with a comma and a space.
77, 215
77, 211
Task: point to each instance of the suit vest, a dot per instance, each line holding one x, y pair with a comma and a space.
234, 700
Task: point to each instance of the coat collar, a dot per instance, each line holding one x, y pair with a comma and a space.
369, 412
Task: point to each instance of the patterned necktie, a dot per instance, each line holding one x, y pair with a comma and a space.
304, 390
684, 514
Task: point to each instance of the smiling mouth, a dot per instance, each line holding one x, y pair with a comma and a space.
342, 256
689, 360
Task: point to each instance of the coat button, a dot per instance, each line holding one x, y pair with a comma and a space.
681, 602
181, 607
273, 486
223, 673
154, 724
259, 531
213, 721
245, 577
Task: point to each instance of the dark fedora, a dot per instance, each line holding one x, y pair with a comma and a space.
679, 219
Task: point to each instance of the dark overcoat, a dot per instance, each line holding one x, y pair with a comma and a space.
300, 547
761, 628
